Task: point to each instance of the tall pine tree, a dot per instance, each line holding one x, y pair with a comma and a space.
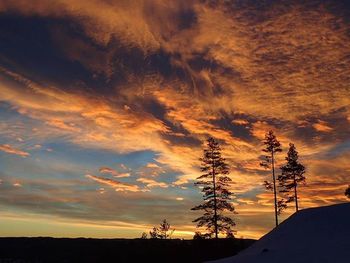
292, 175
272, 146
217, 198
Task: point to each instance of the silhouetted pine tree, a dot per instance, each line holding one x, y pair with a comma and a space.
161, 232
272, 146
292, 175
216, 195
164, 228
154, 233
347, 192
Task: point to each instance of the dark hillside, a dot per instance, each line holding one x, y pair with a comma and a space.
53, 250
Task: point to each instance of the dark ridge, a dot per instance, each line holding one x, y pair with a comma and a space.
54, 250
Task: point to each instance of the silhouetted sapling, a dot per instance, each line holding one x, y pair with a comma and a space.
153, 233
162, 232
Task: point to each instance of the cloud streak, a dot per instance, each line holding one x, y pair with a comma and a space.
118, 186
152, 183
11, 150
107, 170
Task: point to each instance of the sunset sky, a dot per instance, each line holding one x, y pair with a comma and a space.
105, 105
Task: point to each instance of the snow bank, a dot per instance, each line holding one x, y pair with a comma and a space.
315, 235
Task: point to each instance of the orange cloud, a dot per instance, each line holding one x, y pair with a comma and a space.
107, 170
152, 165
62, 125
118, 186
240, 122
322, 126
152, 183
9, 149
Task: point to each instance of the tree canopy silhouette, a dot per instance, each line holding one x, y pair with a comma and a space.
163, 231
292, 175
217, 197
272, 146
164, 228
347, 192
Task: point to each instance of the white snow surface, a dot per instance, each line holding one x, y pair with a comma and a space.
314, 235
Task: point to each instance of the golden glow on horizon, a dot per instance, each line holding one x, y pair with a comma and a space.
33, 226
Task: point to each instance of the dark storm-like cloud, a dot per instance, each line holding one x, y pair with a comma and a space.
28, 48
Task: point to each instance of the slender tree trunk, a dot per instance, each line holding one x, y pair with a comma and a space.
215, 213
274, 186
295, 194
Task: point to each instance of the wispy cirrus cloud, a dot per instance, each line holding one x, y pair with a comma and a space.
152, 165
322, 126
152, 183
107, 170
12, 150
117, 185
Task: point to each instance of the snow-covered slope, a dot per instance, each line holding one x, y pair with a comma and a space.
315, 235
